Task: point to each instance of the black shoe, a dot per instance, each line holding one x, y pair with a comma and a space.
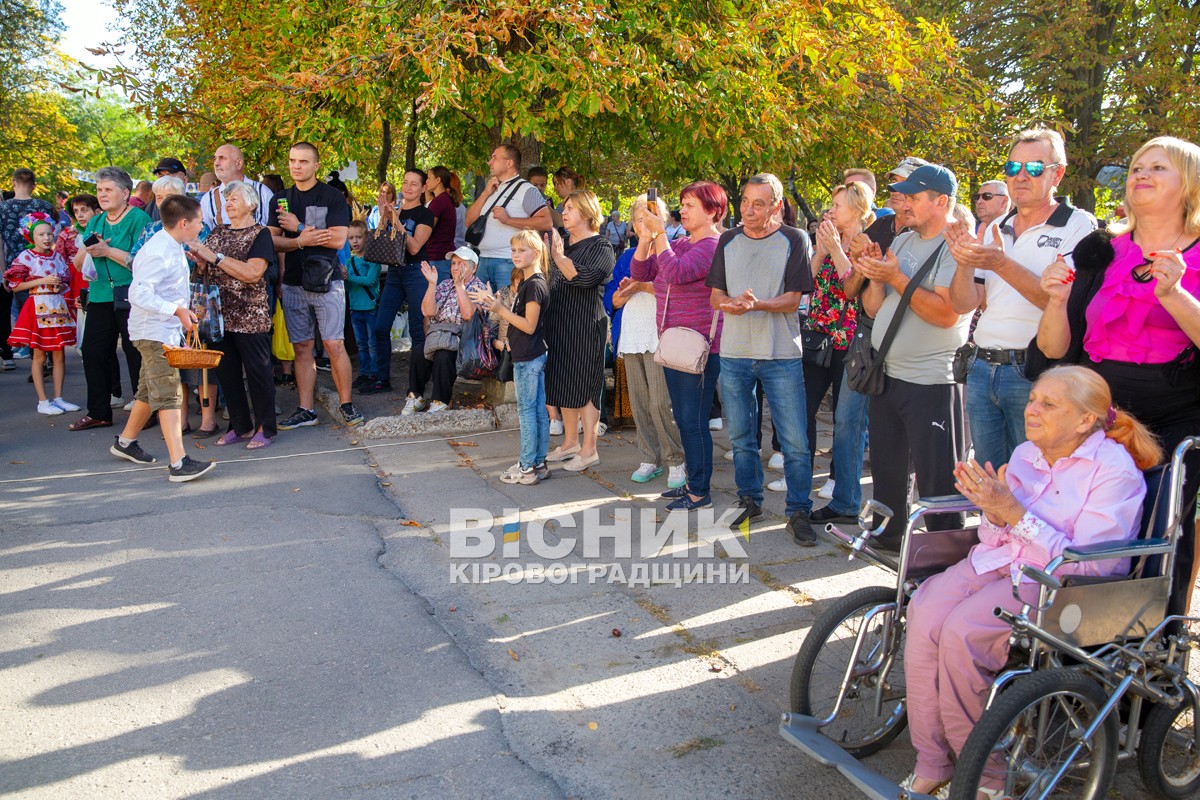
827, 514
287, 381
189, 469
750, 511
132, 452
363, 381
674, 494
888, 544
377, 387
300, 418
351, 416
324, 365
800, 526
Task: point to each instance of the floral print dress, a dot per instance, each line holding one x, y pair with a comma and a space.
829, 311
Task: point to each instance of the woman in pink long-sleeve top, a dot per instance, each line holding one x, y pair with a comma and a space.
678, 271
1077, 481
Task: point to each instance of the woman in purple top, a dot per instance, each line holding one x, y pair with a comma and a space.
679, 268
441, 198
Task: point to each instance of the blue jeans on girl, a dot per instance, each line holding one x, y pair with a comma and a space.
530, 383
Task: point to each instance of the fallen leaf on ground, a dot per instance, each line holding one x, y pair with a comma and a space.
592, 726
514, 655
412, 523
463, 444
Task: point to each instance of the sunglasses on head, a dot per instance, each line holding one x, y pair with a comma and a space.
988, 195
1033, 168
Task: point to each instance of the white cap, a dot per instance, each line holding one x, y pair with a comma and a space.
467, 254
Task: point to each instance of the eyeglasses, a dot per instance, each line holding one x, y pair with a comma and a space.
989, 195
1032, 168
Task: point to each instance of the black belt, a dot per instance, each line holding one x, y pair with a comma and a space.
1001, 357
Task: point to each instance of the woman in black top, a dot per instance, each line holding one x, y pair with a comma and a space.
577, 327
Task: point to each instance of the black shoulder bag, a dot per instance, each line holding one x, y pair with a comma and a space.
864, 364
475, 231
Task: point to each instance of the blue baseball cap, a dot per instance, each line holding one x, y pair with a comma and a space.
927, 178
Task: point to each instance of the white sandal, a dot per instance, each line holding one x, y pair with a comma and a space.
941, 791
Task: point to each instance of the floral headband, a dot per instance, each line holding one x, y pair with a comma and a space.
29, 223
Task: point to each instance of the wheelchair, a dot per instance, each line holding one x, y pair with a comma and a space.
1097, 671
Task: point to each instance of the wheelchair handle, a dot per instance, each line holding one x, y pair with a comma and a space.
870, 510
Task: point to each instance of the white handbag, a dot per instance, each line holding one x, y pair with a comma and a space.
683, 349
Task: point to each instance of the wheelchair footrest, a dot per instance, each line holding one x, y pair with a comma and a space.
803, 732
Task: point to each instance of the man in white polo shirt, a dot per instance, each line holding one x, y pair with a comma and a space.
1004, 266
510, 204
229, 165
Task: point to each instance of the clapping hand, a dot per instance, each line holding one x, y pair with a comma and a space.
484, 298
555, 243
986, 488
883, 269
430, 273
828, 236
969, 249
741, 304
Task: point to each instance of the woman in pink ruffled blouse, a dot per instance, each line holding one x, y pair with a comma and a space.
1129, 309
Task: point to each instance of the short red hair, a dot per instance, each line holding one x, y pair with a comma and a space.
710, 196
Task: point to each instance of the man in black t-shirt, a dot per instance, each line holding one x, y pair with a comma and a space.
310, 222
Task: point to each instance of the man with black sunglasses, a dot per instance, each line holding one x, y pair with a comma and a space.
1003, 265
991, 203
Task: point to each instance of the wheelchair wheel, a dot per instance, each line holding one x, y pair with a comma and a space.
1028, 734
821, 665
1168, 754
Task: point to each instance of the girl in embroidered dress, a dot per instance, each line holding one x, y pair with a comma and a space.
46, 324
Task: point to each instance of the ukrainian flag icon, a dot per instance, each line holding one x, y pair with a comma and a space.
512, 531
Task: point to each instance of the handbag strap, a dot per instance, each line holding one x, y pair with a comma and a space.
905, 300
712, 328
502, 201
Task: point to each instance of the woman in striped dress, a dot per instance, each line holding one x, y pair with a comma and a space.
577, 327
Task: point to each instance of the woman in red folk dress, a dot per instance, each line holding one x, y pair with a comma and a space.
46, 324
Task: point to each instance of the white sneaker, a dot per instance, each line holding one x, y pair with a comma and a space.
776, 461
826, 492
677, 477
716, 424
556, 427
64, 405
601, 429
778, 486
48, 408
412, 405
116, 402
129, 406
646, 473
436, 406
512, 474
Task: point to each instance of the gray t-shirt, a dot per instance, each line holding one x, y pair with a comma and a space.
769, 267
921, 353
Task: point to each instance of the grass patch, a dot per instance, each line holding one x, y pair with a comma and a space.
503, 618
695, 745
771, 582
653, 609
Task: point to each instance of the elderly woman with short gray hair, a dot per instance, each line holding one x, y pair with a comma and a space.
108, 238
235, 257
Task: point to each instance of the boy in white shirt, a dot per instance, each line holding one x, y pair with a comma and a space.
159, 313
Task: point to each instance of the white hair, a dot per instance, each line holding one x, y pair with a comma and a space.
168, 184
242, 190
767, 179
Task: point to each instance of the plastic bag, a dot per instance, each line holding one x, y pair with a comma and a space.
477, 359
206, 305
401, 340
281, 346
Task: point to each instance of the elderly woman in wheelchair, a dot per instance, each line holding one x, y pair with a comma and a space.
1065, 510
1077, 481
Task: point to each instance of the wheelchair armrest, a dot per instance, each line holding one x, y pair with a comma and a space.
1103, 551
945, 503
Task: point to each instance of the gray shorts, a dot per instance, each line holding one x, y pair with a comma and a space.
300, 307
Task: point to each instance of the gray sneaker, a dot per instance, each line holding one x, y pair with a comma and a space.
300, 418
189, 469
131, 452
351, 416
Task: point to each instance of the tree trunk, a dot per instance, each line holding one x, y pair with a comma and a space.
385, 154
1085, 109
410, 146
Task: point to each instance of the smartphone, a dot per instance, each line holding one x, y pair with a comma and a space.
652, 195
91, 240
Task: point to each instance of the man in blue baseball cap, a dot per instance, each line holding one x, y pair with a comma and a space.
918, 418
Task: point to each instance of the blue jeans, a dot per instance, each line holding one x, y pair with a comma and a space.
849, 443
783, 384
363, 325
996, 398
496, 271
443, 269
691, 400
408, 285
529, 378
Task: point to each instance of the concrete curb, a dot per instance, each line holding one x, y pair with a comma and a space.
446, 423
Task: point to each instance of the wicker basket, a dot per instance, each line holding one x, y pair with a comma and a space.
193, 355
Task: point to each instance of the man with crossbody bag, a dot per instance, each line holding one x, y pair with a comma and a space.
917, 418
506, 205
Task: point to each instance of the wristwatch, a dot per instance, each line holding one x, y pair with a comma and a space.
299, 227
220, 258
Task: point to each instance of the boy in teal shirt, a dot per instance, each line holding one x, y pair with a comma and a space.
362, 296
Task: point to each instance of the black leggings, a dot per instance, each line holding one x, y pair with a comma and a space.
249, 353
100, 334
818, 381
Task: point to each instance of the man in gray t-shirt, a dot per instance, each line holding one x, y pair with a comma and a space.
758, 276
918, 419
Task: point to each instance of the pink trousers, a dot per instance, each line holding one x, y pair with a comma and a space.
953, 649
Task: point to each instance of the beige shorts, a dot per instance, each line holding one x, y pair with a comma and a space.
158, 382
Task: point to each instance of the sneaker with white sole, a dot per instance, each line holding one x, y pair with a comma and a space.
351, 416
677, 476
7, 365
436, 406
130, 452
64, 405
300, 418
716, 424
776, 461
826, 492
48, 408
601, 429
116, 402
189, 469
556, 427
412, 405
512, 474
529, 477
129, 406
778, 486
645, 473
